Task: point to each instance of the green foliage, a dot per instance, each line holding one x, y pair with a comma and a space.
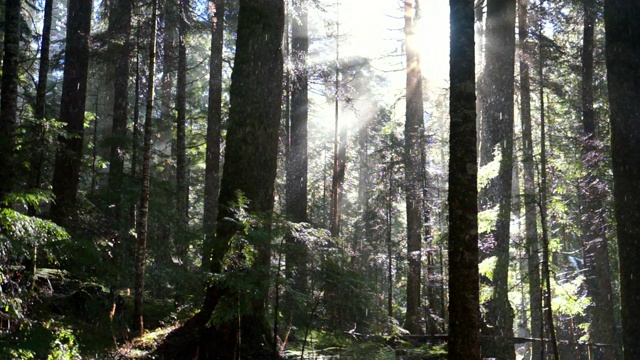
41, 341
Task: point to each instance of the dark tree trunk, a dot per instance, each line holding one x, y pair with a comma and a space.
9, 99
119, 50
464, 307
249, 168
339, 147
214, 120
182, 189
66, 176
297, 159
531, 223
141, 226
412, 183
623, 74
593, 214
37, 156
546, 263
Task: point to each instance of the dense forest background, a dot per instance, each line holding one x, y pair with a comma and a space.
264, 179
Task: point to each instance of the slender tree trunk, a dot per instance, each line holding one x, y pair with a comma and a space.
37, 156
297, 158
66, 176
546, 272
389, 241
531, 223
339, 145
623, 71
119, 48
464, 307
182, 189
9, 98
141, 249
412, 149
135, 157
593, 217
214, 121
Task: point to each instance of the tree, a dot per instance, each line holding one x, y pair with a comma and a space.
9, 99
37, 157
464, 307
214, 120
119, 48
412, 166
249, 169
531, 223
623, 71
66, 175
593, 217
182, 189
297, 158
141, 226
497, 135
339, 145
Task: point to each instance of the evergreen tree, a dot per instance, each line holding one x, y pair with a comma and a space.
623, 71
66, 176
464, 317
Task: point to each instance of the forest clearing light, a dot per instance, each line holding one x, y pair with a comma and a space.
373, 29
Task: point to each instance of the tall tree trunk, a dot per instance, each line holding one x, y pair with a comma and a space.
546, 271
37, 156
141, 228
297, 158
412, 150
531, 223
623, 71
389, 242
464, 307
249, 168
9, 98
182, 189
593, 217
497, 132
214, 121
119, 49
339, 145
66, 176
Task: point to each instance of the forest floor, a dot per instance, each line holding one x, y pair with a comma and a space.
78, 320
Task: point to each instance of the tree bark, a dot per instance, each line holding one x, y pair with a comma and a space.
297, 158
546, 262
412, 182
593, 214
9, 98
141, 228
66, 176
39, 110
623, 71
531, 223
214, 121
119, 50
497, 132
249, 168
464, 307
182, 189
339, 146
